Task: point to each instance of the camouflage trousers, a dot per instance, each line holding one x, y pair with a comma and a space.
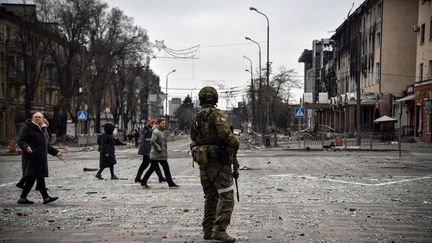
217, 183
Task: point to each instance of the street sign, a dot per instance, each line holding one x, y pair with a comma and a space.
299, 113
82, 115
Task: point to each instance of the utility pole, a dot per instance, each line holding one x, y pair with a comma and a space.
260, 89
266, 113
252, 91
358, 66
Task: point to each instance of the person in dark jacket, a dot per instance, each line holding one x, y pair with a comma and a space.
34, 142
136, 137
22, 181
159, 154
107, 157
144, 150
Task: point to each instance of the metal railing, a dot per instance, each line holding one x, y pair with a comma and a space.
332, 140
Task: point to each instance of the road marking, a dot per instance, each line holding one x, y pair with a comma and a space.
180, 150
353, 182
7, 184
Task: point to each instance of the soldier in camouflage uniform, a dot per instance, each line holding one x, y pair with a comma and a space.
213, 148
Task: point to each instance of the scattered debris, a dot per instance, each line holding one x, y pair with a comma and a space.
244, 167
89, 169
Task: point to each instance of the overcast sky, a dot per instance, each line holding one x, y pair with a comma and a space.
219, 27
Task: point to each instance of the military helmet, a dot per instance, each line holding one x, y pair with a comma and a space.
208, 95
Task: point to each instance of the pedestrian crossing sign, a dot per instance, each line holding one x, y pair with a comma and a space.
299, 113
82, 115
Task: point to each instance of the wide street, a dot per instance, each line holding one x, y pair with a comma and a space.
285, 196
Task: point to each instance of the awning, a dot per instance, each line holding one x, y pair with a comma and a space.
409, 97
385, 119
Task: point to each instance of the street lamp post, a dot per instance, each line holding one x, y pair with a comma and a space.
268, 44
252, 92
260, 120
259, 59
166, 93
267, 117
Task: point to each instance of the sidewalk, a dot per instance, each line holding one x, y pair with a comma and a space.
64, 148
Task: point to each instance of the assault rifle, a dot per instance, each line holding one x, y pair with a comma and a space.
236, 175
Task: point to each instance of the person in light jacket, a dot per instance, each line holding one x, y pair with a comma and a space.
144, 150
159, 154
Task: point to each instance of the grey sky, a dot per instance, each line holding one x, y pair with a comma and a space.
220, 26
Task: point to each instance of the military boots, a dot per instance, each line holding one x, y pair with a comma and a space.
223, 236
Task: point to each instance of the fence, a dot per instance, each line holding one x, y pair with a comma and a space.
306, 140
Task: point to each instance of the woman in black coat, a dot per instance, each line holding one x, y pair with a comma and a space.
107, 157
34, 142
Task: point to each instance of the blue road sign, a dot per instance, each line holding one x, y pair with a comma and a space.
82, 115
299, 113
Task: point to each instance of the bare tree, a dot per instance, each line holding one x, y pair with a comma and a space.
30, 39
93, 42
282, 86
72, 18
112, 37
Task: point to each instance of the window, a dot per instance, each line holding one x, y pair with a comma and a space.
2, 31
430, 29
378, 40
421, 72
379, 10
2, 88
378, 72
422, 33
2, 62
430, 69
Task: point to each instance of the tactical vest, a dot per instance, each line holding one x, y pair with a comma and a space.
205, 130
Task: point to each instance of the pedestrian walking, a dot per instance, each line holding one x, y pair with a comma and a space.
144, 150
34, 142
159, 154
214, 147
136, 137
22, 181
107, 158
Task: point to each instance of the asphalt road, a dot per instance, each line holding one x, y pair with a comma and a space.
285, 196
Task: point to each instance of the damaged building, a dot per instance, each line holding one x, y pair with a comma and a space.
373, 49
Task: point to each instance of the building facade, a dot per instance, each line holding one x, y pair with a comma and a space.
373, 61
26, 69
423, 73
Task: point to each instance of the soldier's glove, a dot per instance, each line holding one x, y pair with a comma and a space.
235, 174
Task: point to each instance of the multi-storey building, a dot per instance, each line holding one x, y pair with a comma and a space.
374, 49
423, 72
22, 67
316, 84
